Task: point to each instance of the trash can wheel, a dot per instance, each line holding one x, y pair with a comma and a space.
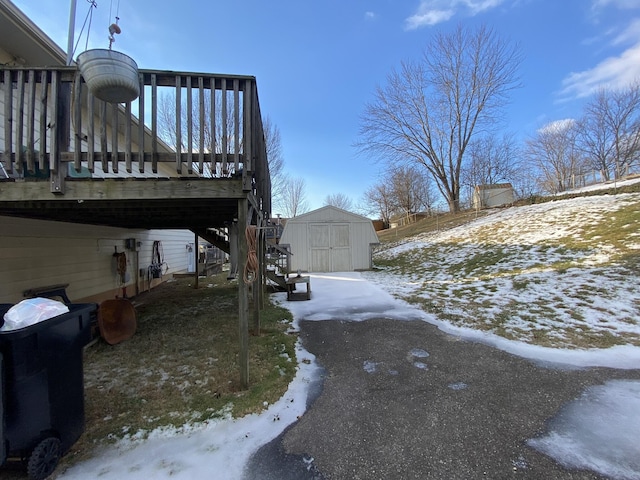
44, 458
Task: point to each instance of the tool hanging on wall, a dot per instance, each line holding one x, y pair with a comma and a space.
121, 270
158, 266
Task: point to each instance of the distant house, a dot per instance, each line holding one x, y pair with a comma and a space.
489, 196
329, 240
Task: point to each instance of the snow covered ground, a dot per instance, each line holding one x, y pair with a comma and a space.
547, 274
597, 431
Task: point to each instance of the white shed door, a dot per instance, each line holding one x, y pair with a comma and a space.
330, 246
319, 243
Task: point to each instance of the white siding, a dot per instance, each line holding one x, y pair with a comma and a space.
36, 253
329, 239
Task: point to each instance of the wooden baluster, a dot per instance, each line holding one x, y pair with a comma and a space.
141, 132
54, 155
19, 121
127, 137
178, 124
77, 120
8, 121
236, 126
247, 129
43, 124
214, 161
103, 136
202, 122
189, 126
114, 138
91, 132
154, 124
31, 118
224, 128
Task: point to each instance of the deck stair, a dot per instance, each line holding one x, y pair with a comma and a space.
277, 278
278, 261
212, 236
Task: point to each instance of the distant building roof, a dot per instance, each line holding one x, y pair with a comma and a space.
493, 185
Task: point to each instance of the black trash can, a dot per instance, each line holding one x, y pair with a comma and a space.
42, 388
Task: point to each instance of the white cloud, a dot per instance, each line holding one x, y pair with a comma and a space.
430, 17
614, 72
631, 34
622, 4
557, 126
431, 12
370, 15
480, 6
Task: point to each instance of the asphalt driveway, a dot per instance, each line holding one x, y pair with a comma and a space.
403, 400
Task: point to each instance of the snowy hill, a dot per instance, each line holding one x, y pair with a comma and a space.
560, 274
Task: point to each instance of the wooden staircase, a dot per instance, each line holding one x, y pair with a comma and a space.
278, 262
214, 238
277, 278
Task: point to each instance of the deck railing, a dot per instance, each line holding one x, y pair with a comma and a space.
206, 125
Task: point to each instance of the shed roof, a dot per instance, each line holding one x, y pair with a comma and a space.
493, 186
328, 213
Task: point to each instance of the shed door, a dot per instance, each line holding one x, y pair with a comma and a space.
330, 247
319, 244
340, 248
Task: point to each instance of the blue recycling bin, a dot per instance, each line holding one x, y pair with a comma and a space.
42, 388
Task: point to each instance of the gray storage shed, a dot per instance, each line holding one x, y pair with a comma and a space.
330, 239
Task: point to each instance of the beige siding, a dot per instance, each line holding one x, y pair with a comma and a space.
36, 253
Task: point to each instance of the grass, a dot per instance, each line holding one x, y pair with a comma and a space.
440, 221
464, 277
181, 366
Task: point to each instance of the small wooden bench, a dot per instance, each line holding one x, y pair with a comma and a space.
291, 285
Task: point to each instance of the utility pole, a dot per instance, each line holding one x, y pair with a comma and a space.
72, 24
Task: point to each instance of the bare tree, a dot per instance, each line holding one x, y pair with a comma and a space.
339, 200
491, 160
294, 197
378, 201
275, 158
610, 129
410, 189
224, 134
553, 150
595, 138
429, 111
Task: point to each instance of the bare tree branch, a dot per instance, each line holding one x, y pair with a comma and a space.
294, 198
553, 150
428, 112
339, 200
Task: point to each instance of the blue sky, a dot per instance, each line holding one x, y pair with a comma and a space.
318, 63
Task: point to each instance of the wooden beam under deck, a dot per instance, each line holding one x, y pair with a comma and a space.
125, 189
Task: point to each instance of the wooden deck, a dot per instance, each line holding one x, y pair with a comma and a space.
72, 157
188, 153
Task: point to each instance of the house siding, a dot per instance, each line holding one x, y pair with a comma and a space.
36, 253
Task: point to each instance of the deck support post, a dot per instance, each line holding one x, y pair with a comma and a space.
63, 138
196, 258
233, 250
243, 295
